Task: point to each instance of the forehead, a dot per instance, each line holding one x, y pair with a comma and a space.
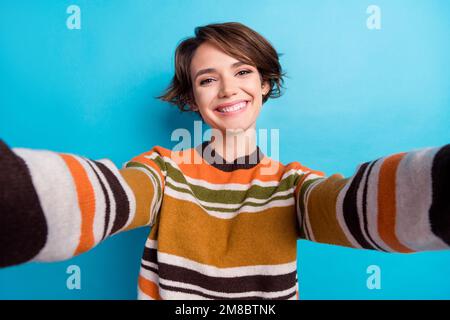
208, 55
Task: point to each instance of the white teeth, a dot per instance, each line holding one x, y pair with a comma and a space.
235, 107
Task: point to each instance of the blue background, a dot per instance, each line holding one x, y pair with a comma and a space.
353, 95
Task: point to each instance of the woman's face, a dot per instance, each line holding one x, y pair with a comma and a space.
227, 92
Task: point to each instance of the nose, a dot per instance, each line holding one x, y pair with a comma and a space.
227, 87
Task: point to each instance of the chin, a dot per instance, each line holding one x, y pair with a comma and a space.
234, 123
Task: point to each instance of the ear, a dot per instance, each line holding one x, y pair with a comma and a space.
265, 87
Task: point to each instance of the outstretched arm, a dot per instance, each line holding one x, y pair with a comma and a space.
398, 203
54, 206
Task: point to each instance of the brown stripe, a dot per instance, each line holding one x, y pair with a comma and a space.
238, 284
23, 227
350, 209
107, 201
150, 255
154, 270
387, 203
208, 296
364, 207
440, 206
120, 197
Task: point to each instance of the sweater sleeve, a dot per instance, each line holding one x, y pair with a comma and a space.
398, 203
54, 206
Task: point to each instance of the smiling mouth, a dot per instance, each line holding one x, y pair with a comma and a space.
234, 109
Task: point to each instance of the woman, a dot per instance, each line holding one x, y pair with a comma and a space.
223, 227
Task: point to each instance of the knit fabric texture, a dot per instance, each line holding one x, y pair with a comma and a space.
219, 230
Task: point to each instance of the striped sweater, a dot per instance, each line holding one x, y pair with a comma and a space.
218, 230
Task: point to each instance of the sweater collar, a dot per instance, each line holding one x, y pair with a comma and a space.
245, 162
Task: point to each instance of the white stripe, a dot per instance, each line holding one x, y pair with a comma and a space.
150, 168
299, 200
149, 264
307, 220
261, 294
101, 219
143, 296
157, 184
312, 176
172, 295
149, 275
297, 207
230, 186
414, 198
239, 186
228, 215
214, 272
152, 244
155, 155
58, 198
234, 205
266, 270
155, 202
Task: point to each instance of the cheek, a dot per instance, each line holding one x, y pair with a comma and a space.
204, 97
254, 89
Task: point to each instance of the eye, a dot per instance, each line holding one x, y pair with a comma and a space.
205, 81
208, 80
246, 71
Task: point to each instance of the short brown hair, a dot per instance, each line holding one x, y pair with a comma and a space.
236, 40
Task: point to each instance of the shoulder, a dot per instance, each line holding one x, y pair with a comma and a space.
165, 158
154, 159
294, 166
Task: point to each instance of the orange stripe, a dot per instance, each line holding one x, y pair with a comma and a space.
208, 173
149, 288
387, 203
86, 202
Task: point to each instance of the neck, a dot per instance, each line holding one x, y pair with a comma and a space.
233, 144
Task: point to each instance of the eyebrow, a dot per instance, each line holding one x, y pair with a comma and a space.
210, 70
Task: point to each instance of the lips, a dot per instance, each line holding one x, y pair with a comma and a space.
231, 107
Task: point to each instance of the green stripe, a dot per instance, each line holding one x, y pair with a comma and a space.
159, 162
242, 203
231, 196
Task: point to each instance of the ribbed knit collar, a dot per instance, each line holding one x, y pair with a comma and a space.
245, 162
